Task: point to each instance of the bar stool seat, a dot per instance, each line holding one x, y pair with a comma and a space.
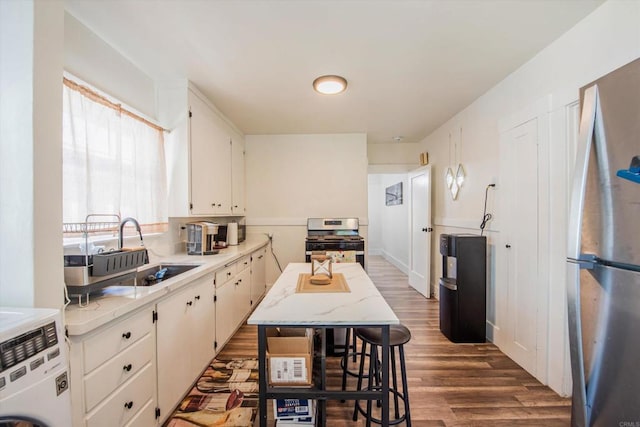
399, 335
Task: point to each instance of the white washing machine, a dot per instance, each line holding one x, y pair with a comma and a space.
34, 383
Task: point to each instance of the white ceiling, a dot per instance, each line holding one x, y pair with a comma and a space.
411, 65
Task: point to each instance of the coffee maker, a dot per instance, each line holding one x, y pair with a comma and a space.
201, 238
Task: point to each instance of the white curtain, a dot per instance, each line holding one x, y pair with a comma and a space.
112, 164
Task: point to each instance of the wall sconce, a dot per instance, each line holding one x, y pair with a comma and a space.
455, 181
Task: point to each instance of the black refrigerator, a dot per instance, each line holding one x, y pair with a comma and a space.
463, 296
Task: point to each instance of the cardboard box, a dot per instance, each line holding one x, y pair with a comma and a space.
311, 421
290, 356
294, 410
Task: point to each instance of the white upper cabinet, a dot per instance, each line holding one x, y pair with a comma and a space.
205, 155
210, 148
237, 175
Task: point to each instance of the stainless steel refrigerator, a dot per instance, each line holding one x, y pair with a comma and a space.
603, 286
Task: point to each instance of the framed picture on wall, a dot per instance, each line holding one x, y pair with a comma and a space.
393, 194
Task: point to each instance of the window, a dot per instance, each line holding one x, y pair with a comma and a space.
113, 161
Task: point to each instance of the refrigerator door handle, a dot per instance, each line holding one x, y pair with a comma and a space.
576, 260
585, 138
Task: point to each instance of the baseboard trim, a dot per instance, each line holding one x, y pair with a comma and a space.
397, 263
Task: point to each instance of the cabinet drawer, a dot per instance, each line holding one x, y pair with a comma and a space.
112, 340
102, 381
224, 275
243, 263
145, 417
126, 402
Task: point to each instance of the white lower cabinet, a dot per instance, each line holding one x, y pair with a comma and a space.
118, 370
233, 298
242, 300
120, 408
135, 370
145, 417
224, 312
185, 341
113, 372
258, 276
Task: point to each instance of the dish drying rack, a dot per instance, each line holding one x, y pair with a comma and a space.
88, 272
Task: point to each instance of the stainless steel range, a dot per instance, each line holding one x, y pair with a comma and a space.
335, 235
341, 236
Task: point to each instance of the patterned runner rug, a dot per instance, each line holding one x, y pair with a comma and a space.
226, 395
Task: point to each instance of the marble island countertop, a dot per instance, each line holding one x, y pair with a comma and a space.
114, 302
363, 305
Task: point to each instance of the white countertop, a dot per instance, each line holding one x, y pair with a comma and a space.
362, 306
117, 301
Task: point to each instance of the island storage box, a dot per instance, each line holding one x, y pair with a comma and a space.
294, 412
290, 356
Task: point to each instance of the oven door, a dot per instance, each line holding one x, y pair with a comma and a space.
315, 247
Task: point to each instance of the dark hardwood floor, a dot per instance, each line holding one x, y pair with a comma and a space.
449, 384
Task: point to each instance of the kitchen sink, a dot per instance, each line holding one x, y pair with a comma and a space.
153, 275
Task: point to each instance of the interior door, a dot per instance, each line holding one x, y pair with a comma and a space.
420, 231
519, 183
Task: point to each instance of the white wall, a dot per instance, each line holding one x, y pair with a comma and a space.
393, 158
605, 40
31, 47
290, 178
38, 40
90, 58
389, 225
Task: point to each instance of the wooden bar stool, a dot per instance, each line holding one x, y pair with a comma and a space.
399, 335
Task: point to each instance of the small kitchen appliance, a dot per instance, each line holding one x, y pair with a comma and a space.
201, 238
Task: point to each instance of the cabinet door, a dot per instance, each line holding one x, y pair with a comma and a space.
258, 276
210, 158
203, 321
237, 175
224, 312
173, 350
242, 297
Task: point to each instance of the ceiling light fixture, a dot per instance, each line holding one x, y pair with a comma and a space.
330, 85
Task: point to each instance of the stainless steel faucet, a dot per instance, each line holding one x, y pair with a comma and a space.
121, 236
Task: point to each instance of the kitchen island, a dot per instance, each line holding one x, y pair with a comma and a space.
362, 306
